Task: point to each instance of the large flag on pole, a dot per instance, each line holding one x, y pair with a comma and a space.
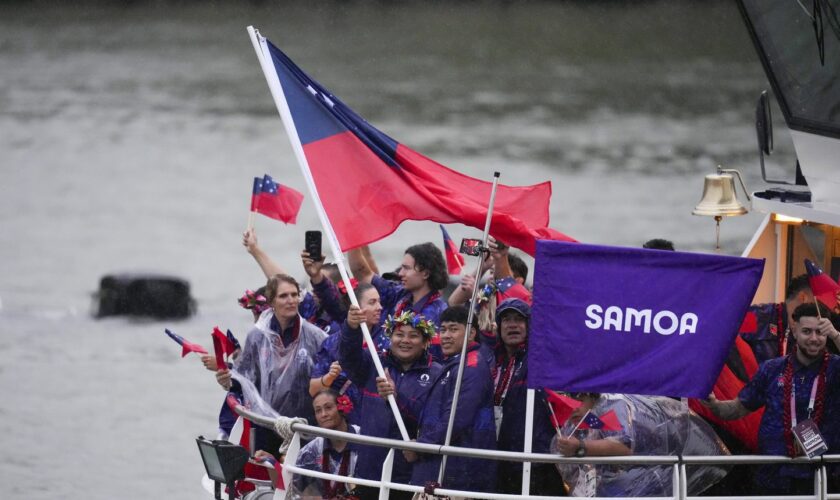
368, 183
627, 320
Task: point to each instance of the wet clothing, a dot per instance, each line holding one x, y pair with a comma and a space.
329, 353
412, 385
276, 367
319, 455
474, 426
767, 389
395, 299
509, 375
649, 425
318, 315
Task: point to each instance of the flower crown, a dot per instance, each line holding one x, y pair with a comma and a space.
256, 302
344, 404
426, 327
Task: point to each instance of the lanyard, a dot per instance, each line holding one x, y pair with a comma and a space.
810, 401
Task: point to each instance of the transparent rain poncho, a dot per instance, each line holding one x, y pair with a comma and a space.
275, 378
310, 457
650, 426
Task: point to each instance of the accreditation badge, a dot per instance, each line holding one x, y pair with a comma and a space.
497, 414
809, 438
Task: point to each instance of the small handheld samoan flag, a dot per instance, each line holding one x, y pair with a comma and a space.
607, 422
561, 407
635, 321
822, 286
187, 346
275, 200
454, 261
233, 340
226, 343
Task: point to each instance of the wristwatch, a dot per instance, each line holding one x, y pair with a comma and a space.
581, 451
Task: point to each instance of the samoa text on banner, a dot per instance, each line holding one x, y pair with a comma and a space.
637, 321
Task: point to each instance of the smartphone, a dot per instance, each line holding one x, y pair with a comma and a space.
470, 246
312, 245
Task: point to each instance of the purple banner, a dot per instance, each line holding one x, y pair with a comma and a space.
636, 321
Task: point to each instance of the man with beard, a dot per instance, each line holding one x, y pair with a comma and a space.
803, 385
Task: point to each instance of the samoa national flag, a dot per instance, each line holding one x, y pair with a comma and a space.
633, 320
368, 183
606, 422
233, 340
560, 406
275, 200
454, 261
187, 346
822, 286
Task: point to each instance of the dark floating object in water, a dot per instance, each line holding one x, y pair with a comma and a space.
152, 295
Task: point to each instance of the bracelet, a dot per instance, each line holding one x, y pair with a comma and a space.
324, 383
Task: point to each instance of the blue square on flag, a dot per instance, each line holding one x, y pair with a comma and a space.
635, 321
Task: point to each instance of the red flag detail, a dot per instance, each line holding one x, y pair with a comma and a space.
227, 344
822, 286
220, 353
277, 201
454, 259
367, 199
608, 422
750, 323
186, 346
563, 407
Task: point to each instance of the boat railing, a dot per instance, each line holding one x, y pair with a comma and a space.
678, 463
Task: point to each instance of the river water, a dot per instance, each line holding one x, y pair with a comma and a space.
129, 135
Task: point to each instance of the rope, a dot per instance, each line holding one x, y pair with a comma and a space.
283, 427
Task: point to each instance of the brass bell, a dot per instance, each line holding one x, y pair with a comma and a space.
719, 198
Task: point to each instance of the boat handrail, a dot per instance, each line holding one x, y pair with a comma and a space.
678, 463
310, 430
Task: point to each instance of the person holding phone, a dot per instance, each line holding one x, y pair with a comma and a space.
422, 276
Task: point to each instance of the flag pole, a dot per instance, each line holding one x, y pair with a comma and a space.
470, 316
250, 220
286, 115
580, 422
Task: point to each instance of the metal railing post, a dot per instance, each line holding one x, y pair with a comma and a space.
387, 467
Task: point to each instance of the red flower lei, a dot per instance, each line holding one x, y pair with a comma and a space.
819, 404
331, 488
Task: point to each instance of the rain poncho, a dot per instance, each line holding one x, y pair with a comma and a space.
275, 378
650, 426
311, 457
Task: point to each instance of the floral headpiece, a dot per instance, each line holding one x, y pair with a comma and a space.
343, 288
254, 301
344, 404
426, 327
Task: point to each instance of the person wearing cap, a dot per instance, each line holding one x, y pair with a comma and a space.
509, 273
411, 370
509, 376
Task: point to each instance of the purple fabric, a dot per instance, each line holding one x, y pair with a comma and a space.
583, 335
